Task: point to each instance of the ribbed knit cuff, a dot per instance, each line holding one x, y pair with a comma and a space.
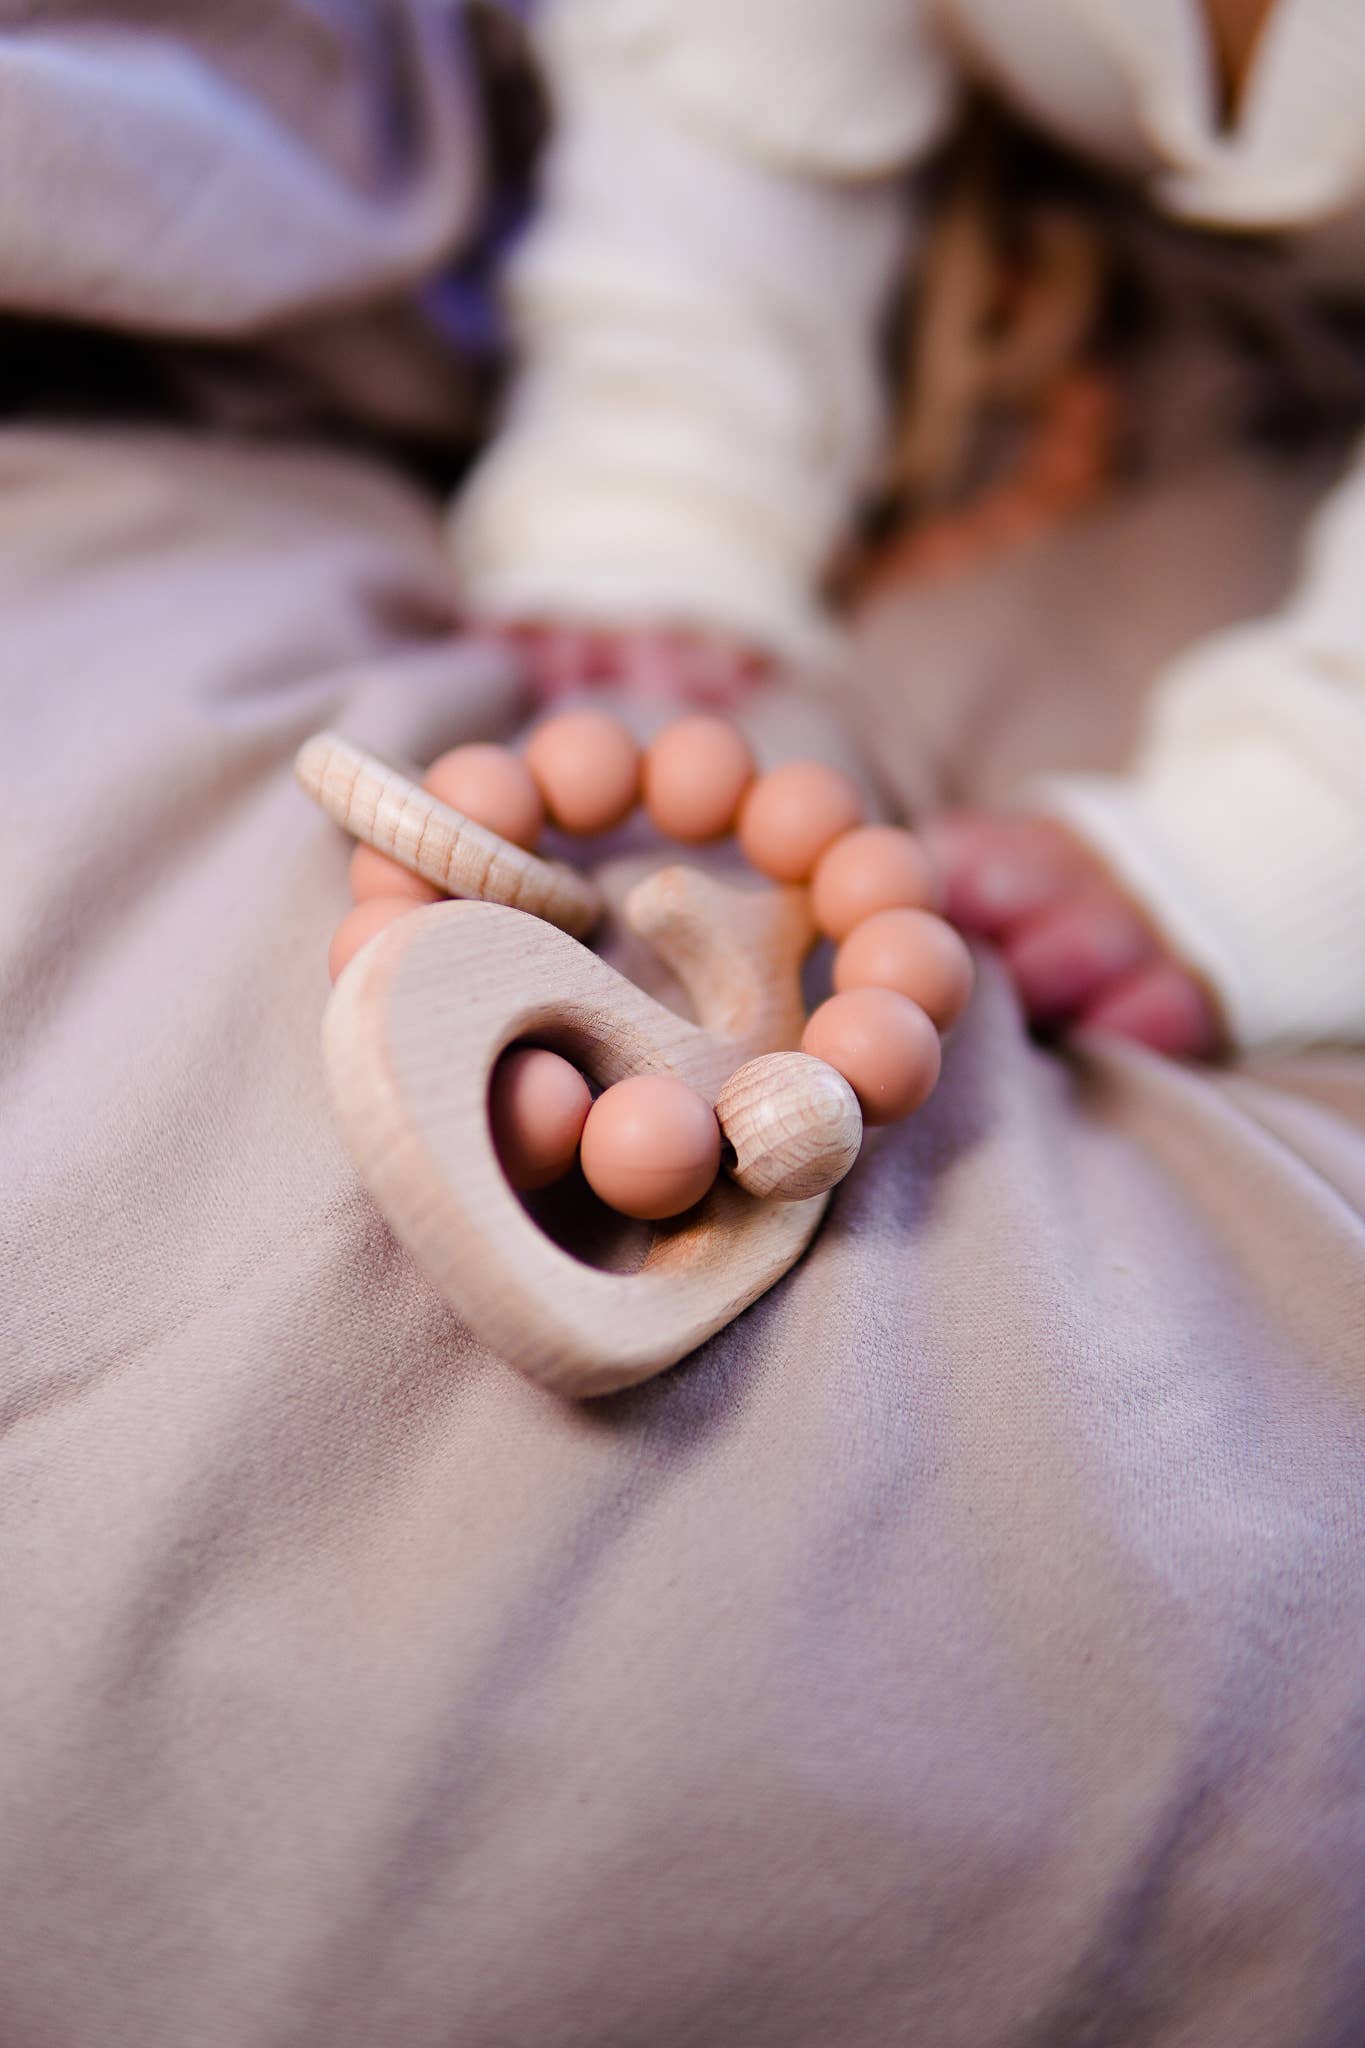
549, 546
1255, 872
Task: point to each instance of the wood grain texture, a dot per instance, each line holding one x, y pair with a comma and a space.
793, 1126
411, 1035
737, 952
396, 816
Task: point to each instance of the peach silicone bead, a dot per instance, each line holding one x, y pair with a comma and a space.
491, 785
374, 874
915, 953
884, 1045
791, 814
651, 1146
361, 925
587, 768
878, 868
537, 1106
694, 775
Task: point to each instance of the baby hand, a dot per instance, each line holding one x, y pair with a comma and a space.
680, 666
1079, 951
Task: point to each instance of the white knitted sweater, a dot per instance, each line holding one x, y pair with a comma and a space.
699, 401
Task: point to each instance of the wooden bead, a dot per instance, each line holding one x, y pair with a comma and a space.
491, 785
877, 868
651, 1146
587, 767
694, 775
361, 925
915, 953
792, 814
537, 1106
884, 1046
791, 1124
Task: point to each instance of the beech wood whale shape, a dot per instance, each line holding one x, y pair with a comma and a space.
411, 1035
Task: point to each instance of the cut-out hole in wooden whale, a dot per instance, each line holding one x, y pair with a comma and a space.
413, 1030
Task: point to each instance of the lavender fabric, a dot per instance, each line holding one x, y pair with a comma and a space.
963, 1648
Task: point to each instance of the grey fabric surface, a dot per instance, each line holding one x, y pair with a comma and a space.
260, 193
211, 171
964, 1649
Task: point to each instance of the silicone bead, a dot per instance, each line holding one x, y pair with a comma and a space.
361, 925
884, 1045
913, 952
651, 1146
694, 775
491, 785
537, 1106
374, 874
877, 868
792, 814
587, 768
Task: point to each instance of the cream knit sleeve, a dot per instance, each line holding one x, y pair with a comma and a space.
1242, 828
697, 312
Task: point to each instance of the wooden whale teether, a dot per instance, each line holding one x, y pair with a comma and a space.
420, 1017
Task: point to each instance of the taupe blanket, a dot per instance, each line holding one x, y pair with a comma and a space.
965, 1648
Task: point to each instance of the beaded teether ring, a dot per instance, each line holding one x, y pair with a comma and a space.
781, 1125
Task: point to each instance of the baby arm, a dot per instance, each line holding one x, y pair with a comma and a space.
1219, 889
697, 311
